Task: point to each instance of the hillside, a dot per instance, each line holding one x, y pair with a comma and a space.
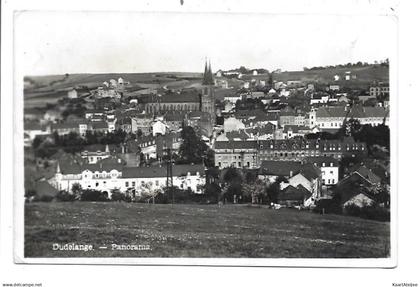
183, 230
366, 74
92, 80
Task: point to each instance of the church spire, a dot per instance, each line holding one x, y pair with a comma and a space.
205, 69
208, 75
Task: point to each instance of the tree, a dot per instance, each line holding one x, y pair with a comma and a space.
349, 128
232, 175
139, 134
193, 149
76, 189
254, 191
273, 190
148, 193
212, 192
379, 135
270, 81
140, 156
36, 142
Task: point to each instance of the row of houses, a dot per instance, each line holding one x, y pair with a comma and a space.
332, 118
251, 153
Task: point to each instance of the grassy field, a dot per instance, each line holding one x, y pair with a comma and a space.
199, 231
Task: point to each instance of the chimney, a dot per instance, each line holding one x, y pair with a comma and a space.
291, 173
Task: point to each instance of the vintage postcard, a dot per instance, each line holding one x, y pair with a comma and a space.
205, 138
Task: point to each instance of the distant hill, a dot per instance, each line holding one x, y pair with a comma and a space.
364, 75
93, 80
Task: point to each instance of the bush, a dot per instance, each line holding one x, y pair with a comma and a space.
162, 198
30, 192
93, 195
328, 205
368, 212
119, 196
44, 198
182, 196
212, 192
63, 195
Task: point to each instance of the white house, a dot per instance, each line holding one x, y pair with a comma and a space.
95, 153
334, 87
284, 93
159, 127
320, 99
232, 98
327, 118
113, 83
72, 94
111, 176
329, 168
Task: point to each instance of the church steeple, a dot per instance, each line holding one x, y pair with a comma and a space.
208, 75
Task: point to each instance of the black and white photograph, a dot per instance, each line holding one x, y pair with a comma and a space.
209, 142
161, 135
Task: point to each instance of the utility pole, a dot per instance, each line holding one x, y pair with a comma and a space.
169, 177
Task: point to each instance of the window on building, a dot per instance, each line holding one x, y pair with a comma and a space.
126, 184
239, 164
133, 184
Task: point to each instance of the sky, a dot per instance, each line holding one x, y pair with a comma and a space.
49, 43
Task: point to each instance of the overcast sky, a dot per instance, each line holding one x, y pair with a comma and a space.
103, 42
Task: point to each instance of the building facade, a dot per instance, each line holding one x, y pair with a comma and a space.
109, 177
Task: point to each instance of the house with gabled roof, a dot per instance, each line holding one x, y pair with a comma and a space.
329, 119
294, 196
292, 173
329, 168
370, 115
